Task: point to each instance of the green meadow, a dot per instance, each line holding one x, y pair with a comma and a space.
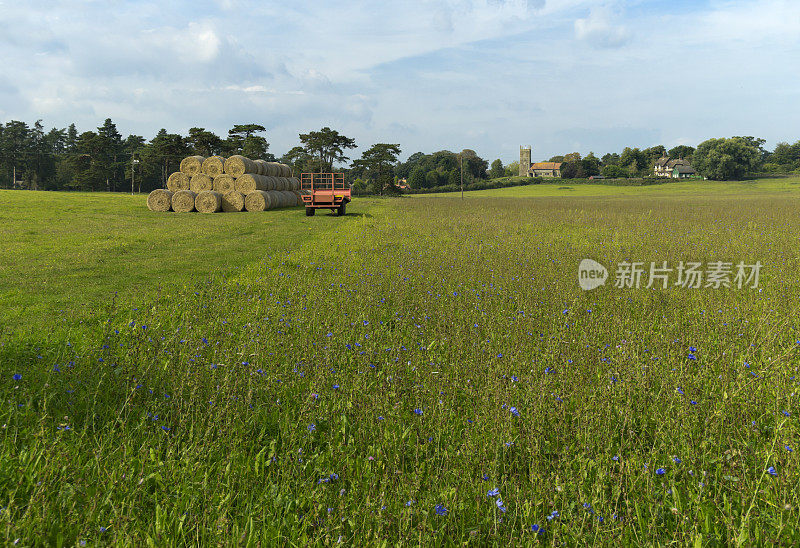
425, 370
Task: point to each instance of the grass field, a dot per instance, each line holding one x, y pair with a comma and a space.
423, 371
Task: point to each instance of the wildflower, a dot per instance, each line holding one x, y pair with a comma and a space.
418, 411
335, 386
691, 357
493, 493
485, 477
661, 472
17, 376
789, 449
410, 503
680, 391
514, 411
500, 505
692, 349
536, 529
615, 458
440, 510
553, 515
693, 402
312, 427
785, 413
771, 471
677, 460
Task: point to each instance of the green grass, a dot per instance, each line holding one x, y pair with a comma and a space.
268, 396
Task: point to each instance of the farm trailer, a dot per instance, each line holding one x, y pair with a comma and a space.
324, 191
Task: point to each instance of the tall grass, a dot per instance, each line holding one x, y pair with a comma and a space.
431, 375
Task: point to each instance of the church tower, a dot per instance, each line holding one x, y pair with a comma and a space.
524, 160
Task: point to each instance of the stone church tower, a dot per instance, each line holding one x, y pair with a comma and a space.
524, 160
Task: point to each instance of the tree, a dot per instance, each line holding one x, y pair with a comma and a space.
454, 177
377, 164
681, 151
572, 157
590, 165
512, 169
403, 170
497, 169
239, 134
572, 170
727, 159
109, 151
160, 157
204, 143
300, 160
14, 149
556, 159
654, 153
614, 172
610, 159
326, 145
634, 159
417, 179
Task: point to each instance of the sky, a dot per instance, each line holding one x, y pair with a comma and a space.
489, 75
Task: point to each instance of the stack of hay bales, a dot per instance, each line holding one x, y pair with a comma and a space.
217, 184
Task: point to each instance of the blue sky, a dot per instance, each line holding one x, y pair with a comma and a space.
560, 75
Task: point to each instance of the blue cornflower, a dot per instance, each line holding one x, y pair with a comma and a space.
785, 413
677, 460
165, 428
660, 472
680, 391
329, 334
789, 449
493, 493
335, 386
514, 411
771, 471
692, 349
312, 427
536, 529
410, 503
553, 515
418, 411
16, 376
500, 505
440, 510
334, 476
693, 402
485, 477
691, 357
615, 458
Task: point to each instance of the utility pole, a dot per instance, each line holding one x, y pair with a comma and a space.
134, 161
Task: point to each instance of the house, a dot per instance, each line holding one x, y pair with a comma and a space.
684, 172
665, 167
545, 169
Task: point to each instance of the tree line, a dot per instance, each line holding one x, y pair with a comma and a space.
104, 160
32, 157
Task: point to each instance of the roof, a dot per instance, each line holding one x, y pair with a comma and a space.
685, 169
546, 165
664, 160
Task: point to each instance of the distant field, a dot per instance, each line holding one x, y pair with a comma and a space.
671, 188
65, 255
424, 371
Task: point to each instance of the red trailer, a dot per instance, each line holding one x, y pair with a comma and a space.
324, 191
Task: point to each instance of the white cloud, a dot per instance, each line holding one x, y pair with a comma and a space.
601, 29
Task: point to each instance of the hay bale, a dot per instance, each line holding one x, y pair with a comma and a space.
258, 200
276, 199
293, 183
159, 200
263, 167
213, 166
233, 201
290, 198
286, 170
201, 182
224, 183
178, 181
192, 165
272, 169
183, 201
238, 165
208, 201
250, 182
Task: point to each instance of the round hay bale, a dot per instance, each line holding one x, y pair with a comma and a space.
263, 168
201, 182
238, 165
258, 200
213, 166
178, 181
192, 165
224, 183
250, 182
294, 183
233, 201
273, 169
276, 198
183, 201
298, 199
159, 200
290, 199
208, 201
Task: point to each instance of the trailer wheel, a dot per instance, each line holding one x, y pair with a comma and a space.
341, 210
310, 211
